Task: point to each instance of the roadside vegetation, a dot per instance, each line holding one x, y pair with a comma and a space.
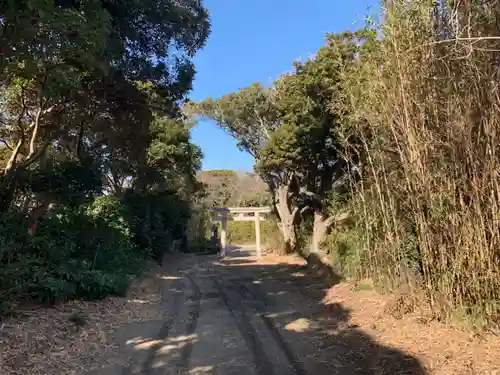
98, 172
383, 148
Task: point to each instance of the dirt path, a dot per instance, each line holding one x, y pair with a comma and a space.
243, 316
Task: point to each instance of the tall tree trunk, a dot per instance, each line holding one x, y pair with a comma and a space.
36, 215
287, 215
320, 228
322, 223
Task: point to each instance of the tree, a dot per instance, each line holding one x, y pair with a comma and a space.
309, 146
250, 116
86, 79
95, 156
172, 160
247, 115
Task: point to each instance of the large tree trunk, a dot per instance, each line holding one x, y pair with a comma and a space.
322, 223
287, 215
320, 228
287, 229
36, 215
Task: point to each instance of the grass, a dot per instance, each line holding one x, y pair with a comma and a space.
429, 196
359, 287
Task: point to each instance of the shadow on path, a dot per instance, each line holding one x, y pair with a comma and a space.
316, 335
239, 316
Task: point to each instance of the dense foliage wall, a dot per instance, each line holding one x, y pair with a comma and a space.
243, 232
97, 169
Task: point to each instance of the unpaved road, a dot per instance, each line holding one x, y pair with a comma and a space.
241, 316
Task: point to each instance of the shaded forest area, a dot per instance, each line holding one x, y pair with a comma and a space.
98, 172
383, 150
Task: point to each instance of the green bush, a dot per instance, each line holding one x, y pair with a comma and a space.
243, 232
156, 220
85, 254
345, 247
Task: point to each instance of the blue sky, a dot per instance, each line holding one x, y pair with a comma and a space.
256, 40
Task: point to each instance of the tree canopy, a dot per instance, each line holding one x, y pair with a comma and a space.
248, 115
92, 134
294, 128
90, 80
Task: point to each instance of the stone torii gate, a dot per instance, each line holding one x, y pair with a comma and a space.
240, 214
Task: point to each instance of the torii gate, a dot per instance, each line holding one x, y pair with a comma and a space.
240, 214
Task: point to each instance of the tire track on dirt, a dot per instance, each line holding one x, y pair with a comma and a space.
165, 329
193, 315
262, 363
261, 309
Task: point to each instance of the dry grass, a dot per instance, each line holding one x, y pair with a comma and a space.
443, 349
403, 322
426, 107
45, 341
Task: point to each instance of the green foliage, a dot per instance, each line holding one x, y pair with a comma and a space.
73, 255
248, 115
92, 96
359, 287
88, 253
68, 182
295, 129
199, 230
172, 160
243, 232
98, 171
312, 105
156, 220
345, 247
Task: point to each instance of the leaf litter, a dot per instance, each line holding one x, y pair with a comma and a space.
75, 337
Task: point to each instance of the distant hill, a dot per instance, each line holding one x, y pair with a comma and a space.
225, 187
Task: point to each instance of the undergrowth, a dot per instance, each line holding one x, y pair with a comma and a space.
425, 106
88, 253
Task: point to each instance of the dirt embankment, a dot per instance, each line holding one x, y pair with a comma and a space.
74, 337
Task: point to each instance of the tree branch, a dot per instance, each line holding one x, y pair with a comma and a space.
6, 144
261, 122
337, 218
13, 157
38, 153
35, 132
304, 209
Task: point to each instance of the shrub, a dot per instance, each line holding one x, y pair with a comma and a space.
156, 220
86, 253
243, 232
344, 245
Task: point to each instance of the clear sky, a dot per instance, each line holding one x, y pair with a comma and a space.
256, 40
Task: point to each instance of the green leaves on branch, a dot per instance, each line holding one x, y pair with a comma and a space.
90, 95
248, 115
